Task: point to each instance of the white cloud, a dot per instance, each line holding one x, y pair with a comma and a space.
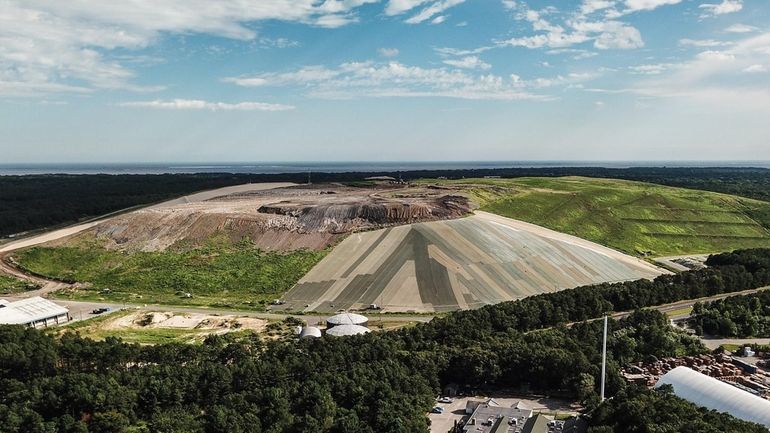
702, 43
435, 9
590, 6
726, 7
741, 28
439, 19
577, 54
509, 4
470, 62
394, 79
647, 5
388, 52
711, 75
652, 69
605, 35
396, 7
196, 104
307, 74
753, 69
64, 46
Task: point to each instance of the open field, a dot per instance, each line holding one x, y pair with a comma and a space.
457, 264
634, 217
218, 275
156, 327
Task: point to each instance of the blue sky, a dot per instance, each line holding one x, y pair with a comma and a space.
392, 80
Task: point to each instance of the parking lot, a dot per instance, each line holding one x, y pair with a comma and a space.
455, 411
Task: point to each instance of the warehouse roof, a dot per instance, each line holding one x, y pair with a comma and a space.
717, 395
29, 310
345, 330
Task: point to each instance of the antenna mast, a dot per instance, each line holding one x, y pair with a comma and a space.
604, 357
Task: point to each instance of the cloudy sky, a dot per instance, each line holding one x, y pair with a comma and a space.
390, 80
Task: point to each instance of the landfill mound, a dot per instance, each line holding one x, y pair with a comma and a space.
458, 264
282, 219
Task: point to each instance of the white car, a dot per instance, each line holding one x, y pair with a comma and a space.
445, 400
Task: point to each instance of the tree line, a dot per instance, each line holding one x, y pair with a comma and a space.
376, 383
737, 316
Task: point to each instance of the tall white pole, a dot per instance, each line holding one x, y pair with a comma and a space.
604, 355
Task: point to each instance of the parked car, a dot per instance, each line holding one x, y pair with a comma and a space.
437, 409
100, 310
445, 400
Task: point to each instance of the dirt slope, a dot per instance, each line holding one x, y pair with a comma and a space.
281, 219
458, 264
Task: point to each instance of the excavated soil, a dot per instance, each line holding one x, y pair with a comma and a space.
191, 321
281, 219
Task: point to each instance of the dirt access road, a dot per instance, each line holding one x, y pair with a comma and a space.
48, 286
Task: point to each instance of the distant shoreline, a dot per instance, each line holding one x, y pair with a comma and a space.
345, 167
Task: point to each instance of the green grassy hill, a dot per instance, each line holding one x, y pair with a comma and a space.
217, 275
638, 218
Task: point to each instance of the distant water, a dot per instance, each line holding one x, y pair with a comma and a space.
337, 167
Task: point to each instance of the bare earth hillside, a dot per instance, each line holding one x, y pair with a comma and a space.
282, 219
460, 264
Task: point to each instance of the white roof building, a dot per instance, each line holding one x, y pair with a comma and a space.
35, 312
346, 330
346, 319
714, 394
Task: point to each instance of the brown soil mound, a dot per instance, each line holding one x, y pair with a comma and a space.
281, 219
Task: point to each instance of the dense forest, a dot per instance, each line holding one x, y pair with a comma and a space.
636, 410
737, 316
38, 201
377, 383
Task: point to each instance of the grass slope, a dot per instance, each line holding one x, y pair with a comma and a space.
10, 285
634, 217
218, 275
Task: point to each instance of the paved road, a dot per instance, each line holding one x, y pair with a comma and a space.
714, 343
81, 310
671, 307
691, 302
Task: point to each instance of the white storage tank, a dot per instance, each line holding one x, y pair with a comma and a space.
346, 319
347, 330
310, 332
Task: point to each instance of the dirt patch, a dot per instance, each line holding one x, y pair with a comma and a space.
207, 324
280, 219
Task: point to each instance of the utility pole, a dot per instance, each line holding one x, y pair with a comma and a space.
308, 178
604, 357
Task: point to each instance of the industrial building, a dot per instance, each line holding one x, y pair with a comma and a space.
714, 394
491, 417
346, 319
347, 330
34, 312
